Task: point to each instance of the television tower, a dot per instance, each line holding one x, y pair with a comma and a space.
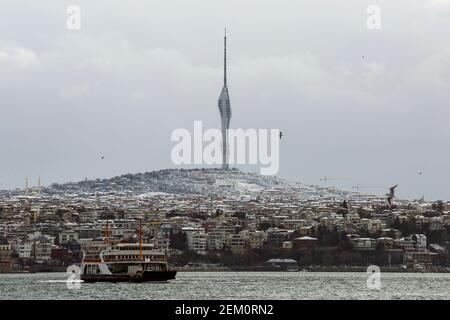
225, 108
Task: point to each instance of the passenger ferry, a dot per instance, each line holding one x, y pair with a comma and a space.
125, 262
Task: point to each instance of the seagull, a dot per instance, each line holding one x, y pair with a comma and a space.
391, 195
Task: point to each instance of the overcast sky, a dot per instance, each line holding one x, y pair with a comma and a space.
368, 106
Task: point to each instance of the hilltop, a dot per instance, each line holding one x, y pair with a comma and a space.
216, 182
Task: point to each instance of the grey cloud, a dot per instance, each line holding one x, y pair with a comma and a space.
136, 71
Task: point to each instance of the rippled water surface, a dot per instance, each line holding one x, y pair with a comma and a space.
234, 285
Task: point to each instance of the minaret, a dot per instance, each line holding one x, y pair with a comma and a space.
225, 108
26, 186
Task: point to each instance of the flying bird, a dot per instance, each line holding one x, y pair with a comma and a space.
391, 195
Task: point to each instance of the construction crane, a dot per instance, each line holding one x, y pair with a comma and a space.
358, 187
325, 178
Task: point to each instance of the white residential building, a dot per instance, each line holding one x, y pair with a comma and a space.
364, 244
421, 241
237, 243
68, 235
374, 225
215, 240
23, 249
196, 239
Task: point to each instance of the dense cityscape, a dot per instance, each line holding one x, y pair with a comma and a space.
217, 219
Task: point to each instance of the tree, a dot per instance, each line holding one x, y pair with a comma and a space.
380, 253
396, 224
345, 258
185, 258
407, 228
178, 240
218, 213
328, 258
438, 206
212, 257
342, 211
264, 226
305, 258
347, 245
435, 236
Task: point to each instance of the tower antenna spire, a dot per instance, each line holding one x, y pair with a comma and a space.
225, 107
225, 58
